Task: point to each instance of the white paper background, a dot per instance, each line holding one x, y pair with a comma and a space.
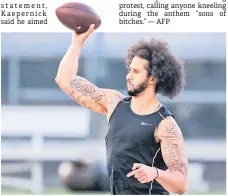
109, 12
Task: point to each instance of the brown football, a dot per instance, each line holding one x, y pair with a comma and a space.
77, 16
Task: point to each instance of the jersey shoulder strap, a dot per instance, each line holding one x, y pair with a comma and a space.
164, 112
126, 99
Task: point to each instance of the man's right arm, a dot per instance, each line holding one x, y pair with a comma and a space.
90, 96
81, 90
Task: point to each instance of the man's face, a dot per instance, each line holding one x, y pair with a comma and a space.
137, 77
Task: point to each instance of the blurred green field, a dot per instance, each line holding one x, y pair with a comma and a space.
54, 191
62, 191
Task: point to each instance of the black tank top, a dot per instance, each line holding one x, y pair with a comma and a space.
130, 139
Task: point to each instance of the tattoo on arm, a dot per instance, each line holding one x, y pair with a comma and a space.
113, 100
156, 134
84, 88
88, 95
172, 148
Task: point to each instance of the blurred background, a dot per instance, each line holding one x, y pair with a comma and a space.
51, 145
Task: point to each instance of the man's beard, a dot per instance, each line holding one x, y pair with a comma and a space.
140, 88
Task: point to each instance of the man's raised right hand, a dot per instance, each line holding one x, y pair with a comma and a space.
79, 39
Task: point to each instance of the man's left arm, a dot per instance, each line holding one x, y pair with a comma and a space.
171, 141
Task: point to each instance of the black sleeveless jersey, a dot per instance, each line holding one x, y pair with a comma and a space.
130, 139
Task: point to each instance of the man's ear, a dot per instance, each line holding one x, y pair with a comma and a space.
153, 80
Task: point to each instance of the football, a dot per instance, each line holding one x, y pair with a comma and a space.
78, 16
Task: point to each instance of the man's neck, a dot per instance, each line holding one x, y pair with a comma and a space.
144, 104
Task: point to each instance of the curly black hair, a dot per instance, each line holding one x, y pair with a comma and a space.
163, 65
